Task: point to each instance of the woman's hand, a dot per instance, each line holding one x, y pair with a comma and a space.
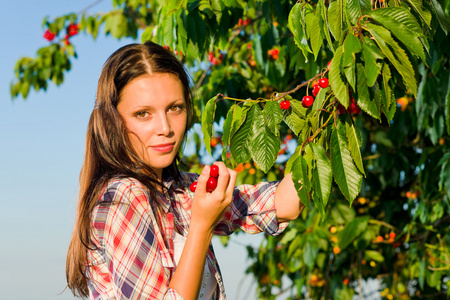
208, 207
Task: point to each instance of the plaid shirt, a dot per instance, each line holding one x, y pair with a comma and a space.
134, 255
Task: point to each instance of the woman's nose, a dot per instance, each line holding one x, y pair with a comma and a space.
164, 127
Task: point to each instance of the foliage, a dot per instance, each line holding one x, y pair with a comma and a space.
390, 162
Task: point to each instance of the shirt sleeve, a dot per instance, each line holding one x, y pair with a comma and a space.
125, 226
252, 210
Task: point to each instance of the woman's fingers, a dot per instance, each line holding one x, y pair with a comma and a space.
223, 179
231, 182
200, 190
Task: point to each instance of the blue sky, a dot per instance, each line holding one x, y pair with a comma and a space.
41, 152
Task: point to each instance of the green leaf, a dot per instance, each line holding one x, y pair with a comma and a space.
169, 30
337, 83
301, 180
354, 11
174, 5
442, 18
240, 140
320, 99
403, 25
444, 178
298, 108
227, 125
373, 255
181, 35
307, 20
424, 13
273, 116
288, 235
263, 144
291, 159
321, 8
296, 27
447, 108
293, 119
352, 133
396, 56
370, 105
207, 122
116, 25
371, 54
336, 19
351, 231
293, 246
196, 33
311, 250
352, 45
322, 175
389, 103
346, 175
316, 38
422, 270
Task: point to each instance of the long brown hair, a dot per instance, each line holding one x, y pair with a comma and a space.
109, 152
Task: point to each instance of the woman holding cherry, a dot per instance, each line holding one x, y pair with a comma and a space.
142, 231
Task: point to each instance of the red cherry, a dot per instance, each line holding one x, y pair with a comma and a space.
323, 82
307, 101
214, 171
193, 186
316, 89
72, 29
342, 109
355, 108
211, 184
49, 36
285, 104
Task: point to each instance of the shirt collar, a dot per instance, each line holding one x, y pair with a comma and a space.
164, 198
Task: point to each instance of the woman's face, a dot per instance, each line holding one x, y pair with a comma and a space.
154, 111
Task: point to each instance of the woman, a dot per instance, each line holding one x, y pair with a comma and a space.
140, 233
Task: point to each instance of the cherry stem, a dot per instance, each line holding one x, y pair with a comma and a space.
278, 96
311, 138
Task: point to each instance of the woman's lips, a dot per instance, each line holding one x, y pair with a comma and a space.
163, 147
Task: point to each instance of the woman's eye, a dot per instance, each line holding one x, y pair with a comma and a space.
175, 108
141, 114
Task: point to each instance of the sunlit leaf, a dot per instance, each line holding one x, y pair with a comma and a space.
207, 122
372, 54
352, 133
403, 25
301, 180
322, 174
367, 103
263, 145
351, 231
273, 116
395, 54
336, 79
345, 173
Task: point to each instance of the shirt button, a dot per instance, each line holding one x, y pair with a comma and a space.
201, 295
207, 275
204, 285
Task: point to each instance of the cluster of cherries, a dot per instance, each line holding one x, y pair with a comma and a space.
211, 184
71, 30
273, 53
352, 108
215, 60
308, 100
